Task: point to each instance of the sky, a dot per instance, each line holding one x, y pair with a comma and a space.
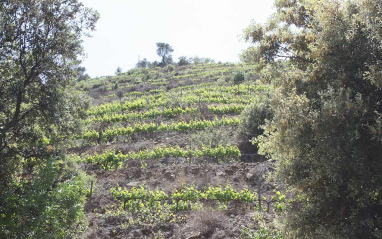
128, 30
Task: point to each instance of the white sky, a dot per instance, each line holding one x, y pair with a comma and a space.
129, 29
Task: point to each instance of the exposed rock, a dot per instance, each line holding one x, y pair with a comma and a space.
194, 236
250, 175
133, 184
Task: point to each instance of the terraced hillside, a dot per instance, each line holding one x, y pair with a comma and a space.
162, 147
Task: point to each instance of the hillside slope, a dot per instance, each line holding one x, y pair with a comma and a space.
161, 144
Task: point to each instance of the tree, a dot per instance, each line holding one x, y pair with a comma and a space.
183, 61
164, 50
143, 63
238, 78
81, 74
200, 60
324, 60
40, 49
118, 71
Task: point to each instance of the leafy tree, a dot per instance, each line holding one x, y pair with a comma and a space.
118, 71
143, 63
164, 50
324, 60
40, 45
155, 64
183, 61
238, 77
200, 60
81, 74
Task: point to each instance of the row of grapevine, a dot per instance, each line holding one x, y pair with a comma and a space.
117, 106
110, 160
162, 127
210, 94
165, 113
168, 101
139, 198
201, 71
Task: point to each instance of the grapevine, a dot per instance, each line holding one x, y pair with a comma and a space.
138, 198
110, 159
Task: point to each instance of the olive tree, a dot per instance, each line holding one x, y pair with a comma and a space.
164, 50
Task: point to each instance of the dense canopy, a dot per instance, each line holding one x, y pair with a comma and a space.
324, 59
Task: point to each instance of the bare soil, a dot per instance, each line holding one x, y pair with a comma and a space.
204, 223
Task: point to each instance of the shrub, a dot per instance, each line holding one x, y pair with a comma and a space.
183, 61
212, 137
206, 221
170, 68
251, 120
238, 77
51, 205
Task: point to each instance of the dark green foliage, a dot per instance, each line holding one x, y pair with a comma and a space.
164, 50
183, 61
251, 121
40, 48
120, 94
326, 131
238, 77
143, 63
82, 76
47, 206
118, 71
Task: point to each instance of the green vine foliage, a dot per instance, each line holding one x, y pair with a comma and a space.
261, 233
138, 198
280, 201
187, 96
165, 113
109, 134
112, 160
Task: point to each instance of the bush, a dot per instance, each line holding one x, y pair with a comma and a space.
212, 137
170, 68
251, 120
50, 205
238, 77
183, 61
206, 221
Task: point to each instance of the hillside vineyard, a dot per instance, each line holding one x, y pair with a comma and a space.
162, 144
